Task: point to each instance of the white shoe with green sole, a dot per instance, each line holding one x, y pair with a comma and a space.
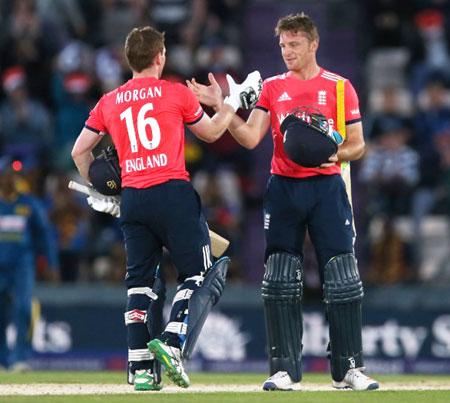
144, 380
170, 358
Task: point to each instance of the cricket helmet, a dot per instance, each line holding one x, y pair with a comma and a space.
305, 138
104, 173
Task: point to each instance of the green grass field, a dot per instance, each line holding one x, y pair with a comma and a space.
30, 381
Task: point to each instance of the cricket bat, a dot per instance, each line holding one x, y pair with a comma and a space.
218, 243
345, 166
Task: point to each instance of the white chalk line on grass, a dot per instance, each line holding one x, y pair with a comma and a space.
114, 389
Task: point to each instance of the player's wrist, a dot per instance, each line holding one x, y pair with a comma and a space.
233, 101
216, 107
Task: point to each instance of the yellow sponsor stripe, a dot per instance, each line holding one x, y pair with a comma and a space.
166, 360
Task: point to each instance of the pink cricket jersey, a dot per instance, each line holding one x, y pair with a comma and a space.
283, 93
145, 118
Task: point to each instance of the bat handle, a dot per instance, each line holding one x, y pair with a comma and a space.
79, 187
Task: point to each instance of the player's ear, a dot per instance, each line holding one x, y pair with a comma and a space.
160, 57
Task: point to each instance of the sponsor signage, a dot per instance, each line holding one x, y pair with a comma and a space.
233, 339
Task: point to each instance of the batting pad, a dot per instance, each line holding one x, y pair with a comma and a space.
282, 290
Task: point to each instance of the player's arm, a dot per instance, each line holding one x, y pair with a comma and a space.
210, 129
242, 95
82, 151
249, 134
353, 147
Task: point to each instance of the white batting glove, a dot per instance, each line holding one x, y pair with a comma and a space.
105, 204
244, 95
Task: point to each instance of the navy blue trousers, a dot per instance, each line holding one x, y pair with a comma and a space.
167, 215
318, 205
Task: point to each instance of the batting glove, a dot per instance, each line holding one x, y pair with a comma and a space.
105, 204
244, 95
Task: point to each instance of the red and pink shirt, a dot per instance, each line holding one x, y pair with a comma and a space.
145, 118
283, 93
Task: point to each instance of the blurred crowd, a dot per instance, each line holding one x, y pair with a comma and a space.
58, 56
404, 176
56, 59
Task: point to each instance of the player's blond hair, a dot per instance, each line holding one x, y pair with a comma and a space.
141, 47
298, 23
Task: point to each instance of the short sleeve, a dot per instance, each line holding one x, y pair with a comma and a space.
263, 102
95, 121
191, 108
352, 112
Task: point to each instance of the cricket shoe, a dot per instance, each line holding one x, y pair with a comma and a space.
281, 381
356, 380
170, 357
144, 380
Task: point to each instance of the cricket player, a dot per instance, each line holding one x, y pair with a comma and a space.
306, 195
25, 233
145, 118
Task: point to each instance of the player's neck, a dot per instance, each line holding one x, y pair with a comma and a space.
306, 73
151, 72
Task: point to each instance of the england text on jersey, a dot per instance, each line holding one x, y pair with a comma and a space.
138, 94
141, 163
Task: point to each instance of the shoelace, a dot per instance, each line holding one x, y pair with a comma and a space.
278, 375
358, 374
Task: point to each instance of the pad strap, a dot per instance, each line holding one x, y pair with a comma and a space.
142, 290
141, 354
135, 316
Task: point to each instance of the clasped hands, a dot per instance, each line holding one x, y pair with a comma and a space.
244, 95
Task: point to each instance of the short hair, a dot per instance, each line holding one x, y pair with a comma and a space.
141, 47
298, 23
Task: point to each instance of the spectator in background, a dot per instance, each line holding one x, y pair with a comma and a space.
110, 67
390, 168
71, 93
442, 140
389, 172
25, 123
388, 21
30, 42
219, 50
65, 16
432, 118
69, 216
443, 145
387, 103
118, 17
25, 235
221, 193
430, 48
231, 15
181, 20
105, 251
